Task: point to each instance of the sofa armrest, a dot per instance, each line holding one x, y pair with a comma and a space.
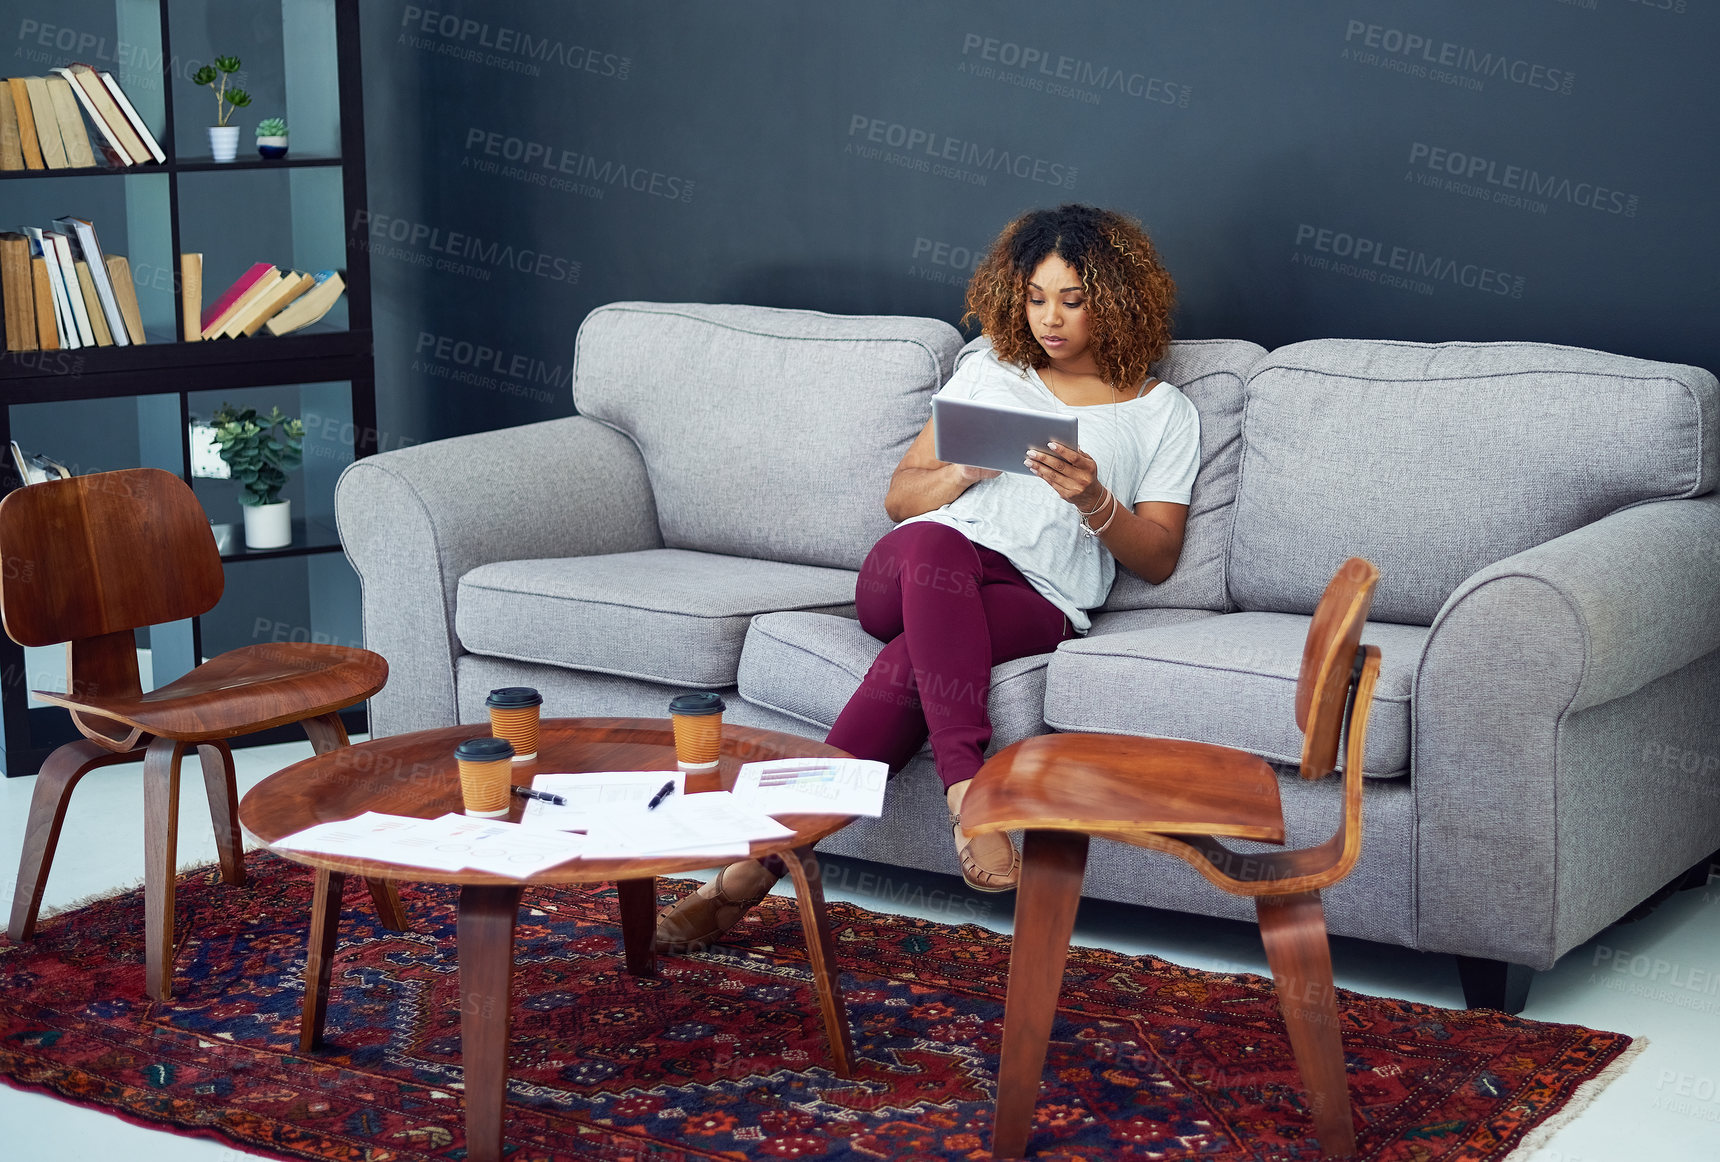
414, 521
1520, 794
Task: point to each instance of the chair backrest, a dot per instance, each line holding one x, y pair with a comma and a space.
1328, 661
100, 554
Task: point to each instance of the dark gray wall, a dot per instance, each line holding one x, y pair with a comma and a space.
1531, 169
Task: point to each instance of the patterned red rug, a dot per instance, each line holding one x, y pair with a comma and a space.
722, 1056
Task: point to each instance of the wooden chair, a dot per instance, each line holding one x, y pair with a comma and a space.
86, 562
1175, 797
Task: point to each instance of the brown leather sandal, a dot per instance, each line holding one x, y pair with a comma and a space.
971, 871
695, 921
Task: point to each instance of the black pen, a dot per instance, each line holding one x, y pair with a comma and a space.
545, 796
668, 789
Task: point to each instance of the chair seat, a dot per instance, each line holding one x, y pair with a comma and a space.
244, 690
1119, 785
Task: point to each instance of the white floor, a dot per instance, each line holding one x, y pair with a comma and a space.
1657, 978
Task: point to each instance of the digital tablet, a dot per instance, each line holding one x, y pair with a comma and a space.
992, 436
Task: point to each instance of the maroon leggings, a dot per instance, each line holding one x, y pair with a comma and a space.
949, 610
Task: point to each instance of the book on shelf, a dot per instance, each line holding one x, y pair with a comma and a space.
292, 285
72, 135
131, 148
106, 141
47, 330
217, 315
17, 294
191, 296
310, 306
47, 124
69, 276
131, 115
11, 148
92, 304
41, 250
125, 292
27, 143
86, 247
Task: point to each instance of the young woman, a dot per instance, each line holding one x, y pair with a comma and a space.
986, 566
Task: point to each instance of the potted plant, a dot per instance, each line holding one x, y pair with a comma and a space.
223, 138
272, 137
260, 451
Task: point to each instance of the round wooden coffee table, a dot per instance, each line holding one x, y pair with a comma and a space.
415, 774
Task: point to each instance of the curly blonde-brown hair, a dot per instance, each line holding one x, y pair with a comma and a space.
1129, 293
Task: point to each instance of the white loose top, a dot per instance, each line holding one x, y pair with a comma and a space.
1147, 449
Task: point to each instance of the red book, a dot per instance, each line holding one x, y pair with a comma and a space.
223, 306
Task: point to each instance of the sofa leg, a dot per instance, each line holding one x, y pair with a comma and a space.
1494, 984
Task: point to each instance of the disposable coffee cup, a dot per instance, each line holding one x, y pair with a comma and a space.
486, 775
514, 712
698, 722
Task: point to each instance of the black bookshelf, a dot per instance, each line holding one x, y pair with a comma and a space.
165, 367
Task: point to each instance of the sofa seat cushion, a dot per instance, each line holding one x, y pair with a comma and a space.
664, 615
809, 665
1229, 680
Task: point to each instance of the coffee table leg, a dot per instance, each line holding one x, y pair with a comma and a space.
821, 949
638, 900
319, 957
486, 944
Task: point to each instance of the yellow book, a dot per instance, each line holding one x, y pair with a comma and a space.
291, 287
191, 295
32, 150
310, 307
98, 320
47, 327
249, 304
125, 293
11, 144
72, 135
47, 123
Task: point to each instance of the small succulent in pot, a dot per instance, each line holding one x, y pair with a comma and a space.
223, 138
260, 450
272, 137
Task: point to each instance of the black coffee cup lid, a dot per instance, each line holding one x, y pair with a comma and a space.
484, 750
693, 704
509, 697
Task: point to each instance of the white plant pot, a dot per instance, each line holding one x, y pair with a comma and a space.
268, 526
223, 142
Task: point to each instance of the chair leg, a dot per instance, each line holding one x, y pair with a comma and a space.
48, 802
219, 783
1052, 864
160, 841
327, 732
1293, 928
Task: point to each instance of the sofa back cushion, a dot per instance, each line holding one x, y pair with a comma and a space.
1211, 373
1433, 460
766, 433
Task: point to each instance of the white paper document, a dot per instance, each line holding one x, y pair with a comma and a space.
712, 823
387, 838
596, 795
813, 787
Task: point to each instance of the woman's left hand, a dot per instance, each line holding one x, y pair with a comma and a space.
1070, 471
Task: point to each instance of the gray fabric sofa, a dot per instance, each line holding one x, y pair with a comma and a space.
1544, 519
